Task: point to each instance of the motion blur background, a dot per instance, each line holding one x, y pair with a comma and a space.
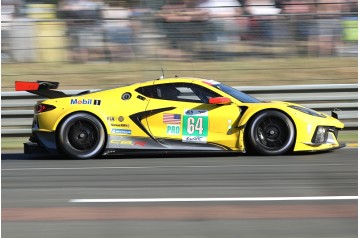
97, 44
100, 44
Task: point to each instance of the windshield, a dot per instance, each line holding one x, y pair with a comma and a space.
243, 97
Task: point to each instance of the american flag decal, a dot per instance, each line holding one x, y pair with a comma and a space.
97, 102
169, 118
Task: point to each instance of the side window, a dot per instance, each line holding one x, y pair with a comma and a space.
148, 91
204, 93
185, 92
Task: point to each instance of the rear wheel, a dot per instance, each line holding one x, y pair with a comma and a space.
270, 133
81, 136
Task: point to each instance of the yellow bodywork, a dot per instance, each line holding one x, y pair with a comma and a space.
225, 125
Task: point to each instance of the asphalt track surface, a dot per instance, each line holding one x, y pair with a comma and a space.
296, 196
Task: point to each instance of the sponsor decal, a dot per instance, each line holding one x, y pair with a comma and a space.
80, 101
195, 126
194, 139
121, 125
126, 96
121, 131
170, 118
84, 101
110, 118
173, 129
128, 142
196, 112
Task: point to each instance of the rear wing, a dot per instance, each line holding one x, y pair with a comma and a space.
41, 88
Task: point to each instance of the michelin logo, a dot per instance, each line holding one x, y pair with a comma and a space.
85, 101
121, 131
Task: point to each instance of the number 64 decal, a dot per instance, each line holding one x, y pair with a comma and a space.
195, 123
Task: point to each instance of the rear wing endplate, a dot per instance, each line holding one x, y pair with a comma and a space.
41, 88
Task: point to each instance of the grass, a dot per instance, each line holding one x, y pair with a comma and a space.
243, 71
16, 143
348, 137
13, 143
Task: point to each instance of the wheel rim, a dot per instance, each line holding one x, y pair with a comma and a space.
83, 135
272, 133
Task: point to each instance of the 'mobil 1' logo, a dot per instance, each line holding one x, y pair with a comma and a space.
85, 101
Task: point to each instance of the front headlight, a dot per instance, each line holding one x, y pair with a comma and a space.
320, 135
307, 111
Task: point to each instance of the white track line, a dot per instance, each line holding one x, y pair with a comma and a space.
170, 166
235, 199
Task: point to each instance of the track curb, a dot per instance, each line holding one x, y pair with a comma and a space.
352, 145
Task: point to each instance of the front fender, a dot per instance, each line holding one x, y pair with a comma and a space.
249, 114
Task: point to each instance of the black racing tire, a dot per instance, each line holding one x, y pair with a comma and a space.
81, 136
270, 133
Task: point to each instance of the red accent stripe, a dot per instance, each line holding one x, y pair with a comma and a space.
207, 83
26, 86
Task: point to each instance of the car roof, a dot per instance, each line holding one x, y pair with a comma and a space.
174, 80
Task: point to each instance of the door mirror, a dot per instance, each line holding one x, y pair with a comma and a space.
220, 101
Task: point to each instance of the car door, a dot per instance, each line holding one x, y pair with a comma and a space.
185, 115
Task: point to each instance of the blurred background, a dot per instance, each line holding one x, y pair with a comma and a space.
100, 44
86, 44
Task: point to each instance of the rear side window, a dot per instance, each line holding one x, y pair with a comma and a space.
148, 91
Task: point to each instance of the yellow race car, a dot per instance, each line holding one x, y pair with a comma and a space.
173, 115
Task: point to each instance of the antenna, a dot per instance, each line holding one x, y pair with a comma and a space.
163, 75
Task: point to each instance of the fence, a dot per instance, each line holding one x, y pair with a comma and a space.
17, 107
185, 34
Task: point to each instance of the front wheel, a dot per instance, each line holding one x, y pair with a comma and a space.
81, 136
270, 133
